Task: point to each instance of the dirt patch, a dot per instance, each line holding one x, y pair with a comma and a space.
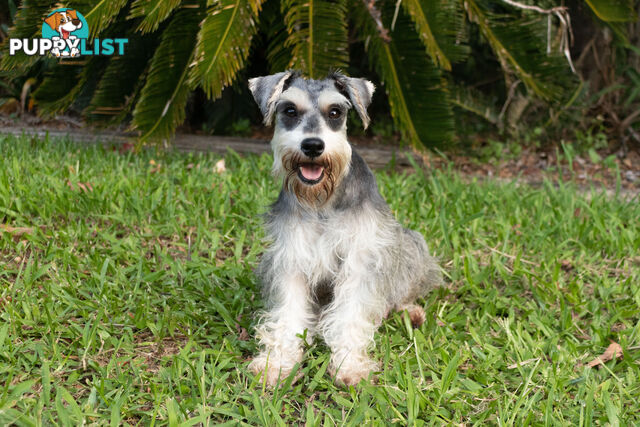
147, 351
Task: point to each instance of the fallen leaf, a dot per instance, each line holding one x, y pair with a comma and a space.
566, 265
613, 351
220, 166
16, 231
243, 335
84, 186
126, 147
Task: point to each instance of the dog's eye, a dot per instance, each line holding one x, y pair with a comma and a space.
291, 112
335, 113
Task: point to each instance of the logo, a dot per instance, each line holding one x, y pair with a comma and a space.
65, 34
68, 26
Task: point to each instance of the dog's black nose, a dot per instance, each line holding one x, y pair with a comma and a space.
75, 22
312, 147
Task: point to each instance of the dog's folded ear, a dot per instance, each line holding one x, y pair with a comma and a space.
52, 21
359, 91
266, 91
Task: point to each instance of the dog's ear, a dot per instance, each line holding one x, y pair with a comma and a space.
359, 91
53, 21
266, 91
73, 13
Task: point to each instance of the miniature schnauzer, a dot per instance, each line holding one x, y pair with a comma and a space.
338, 261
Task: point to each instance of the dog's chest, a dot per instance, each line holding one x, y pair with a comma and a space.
320, 247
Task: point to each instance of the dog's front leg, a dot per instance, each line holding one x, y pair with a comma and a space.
348, 325
290, 316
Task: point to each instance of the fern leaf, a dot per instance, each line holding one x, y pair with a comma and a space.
223, 44
317, 35
417, 91
161, 107
152, 12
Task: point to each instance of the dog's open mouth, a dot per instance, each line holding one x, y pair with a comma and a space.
310, 173
65, 33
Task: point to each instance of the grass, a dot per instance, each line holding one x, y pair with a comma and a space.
126, 294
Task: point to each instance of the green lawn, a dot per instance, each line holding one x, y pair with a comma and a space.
127, 290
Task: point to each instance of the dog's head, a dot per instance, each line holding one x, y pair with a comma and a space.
65, 22
310, 146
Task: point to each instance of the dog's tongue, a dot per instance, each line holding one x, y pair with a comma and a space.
65, 34
311, 172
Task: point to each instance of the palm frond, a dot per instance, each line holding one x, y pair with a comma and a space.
317, 35
474, 102
518, 43
414, 84
114, 96
102, 14
440, 25
614, 10
27, 24
161, 107
272, 26
152, 12
223, 44
63, 84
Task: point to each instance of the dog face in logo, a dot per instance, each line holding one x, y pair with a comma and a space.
64, 22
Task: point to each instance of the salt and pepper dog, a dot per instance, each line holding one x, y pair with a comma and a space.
337, 262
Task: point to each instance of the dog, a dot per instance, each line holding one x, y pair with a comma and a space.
64, 22
338, 262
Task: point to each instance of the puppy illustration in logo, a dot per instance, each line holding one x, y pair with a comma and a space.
65, 24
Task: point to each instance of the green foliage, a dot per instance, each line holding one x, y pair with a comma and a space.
164, 96
414, 49
317, 35
125, 297
103, 14
415, 86
440, 25
223, 44
614, 10
152, 13
115, 97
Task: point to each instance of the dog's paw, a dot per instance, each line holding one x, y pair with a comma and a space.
271, 371
349, 373
416, 314
353, 378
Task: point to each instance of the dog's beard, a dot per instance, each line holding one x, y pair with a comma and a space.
317, 192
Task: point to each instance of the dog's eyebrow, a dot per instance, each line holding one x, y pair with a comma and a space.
331, 97
296, 96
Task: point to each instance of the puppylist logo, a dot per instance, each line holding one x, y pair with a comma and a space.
65, 34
